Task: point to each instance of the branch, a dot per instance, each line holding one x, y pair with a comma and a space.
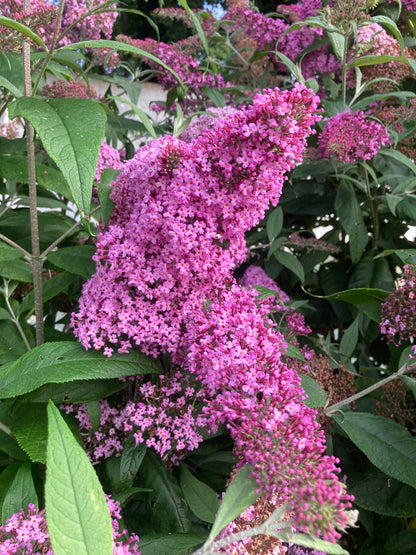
403, 370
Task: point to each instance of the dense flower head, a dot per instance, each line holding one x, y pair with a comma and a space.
398, 315
163, 416
198, 124
109, 157
187, 66
350, 136
27, 532
191, 44
75, 26
373, 40
267, 33
178, 226
238, 356
40, 18
256, 276
10, 129
72, 89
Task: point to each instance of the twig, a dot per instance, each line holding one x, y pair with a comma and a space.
403, 370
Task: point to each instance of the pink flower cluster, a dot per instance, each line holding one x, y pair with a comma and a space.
163, 416
255, 275
198, 124
185, 65
28, 533
40, 18
75, 26
350, 136
267, 34
178, 226
109, 157
373, 40
238, 356
398, 317
71, 89
176, 234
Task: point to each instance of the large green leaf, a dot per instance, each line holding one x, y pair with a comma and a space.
240, 494
76, 260
389, 446
374, 491
8, 253
71, 130
76, 391
351, 219
202, 499
20, 493
168, 509
173, 544
66, 361
76, 509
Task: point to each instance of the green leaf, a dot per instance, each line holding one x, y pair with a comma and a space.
214, 95
380, 494
76, 260
10, 446
240, 494
316, 395
76, 391
410, 385
202, 499
130, 462
10, 87
294, 352
72, 131
144, 118
366, 299
389, 446
122, 47
8, 253
17, 270
289, 260
50, 289
20, 493
197, 25
66, 361
76, 510
293, 68
407, 256
351, 219
20, 28
399, 156
108, 176
168, 509
29, 425
349, 339
173, 544
274, 223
